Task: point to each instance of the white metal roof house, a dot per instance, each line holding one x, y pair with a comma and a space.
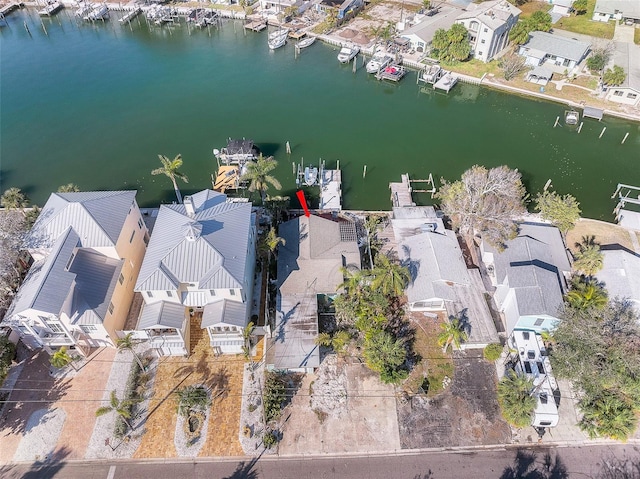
627, 56
606, 10
309, 264
553, 51
561, 8
440, 281
620, 275
421, 33
87, 249
533, 362
201, 260
530, 277
489, 24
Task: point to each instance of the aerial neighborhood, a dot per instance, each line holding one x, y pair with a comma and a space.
237, 317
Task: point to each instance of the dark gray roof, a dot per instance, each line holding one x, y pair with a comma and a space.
435, 263
235, 147
556, 45
48, 283
444, 18
97, 217
161, 315
96, 278
215, 259
227, 312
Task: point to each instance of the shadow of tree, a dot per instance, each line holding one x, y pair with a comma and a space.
46, 469
35, 389
426, 475
245, 470
526, 466
615, 468
218, 382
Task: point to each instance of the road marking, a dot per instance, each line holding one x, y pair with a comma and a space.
112, 472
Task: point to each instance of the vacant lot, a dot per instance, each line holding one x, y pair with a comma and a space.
605, 233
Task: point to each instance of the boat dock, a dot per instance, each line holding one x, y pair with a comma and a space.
446, 82
256, 25
297, 34
401, 192
393, 72
331, 190
227, 178
7, 9
130, 15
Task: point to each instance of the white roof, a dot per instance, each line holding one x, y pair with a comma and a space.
493, 13
629, 8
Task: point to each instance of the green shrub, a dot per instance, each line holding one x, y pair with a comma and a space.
493, 351
270, 439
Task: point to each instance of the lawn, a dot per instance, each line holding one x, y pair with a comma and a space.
530, 7
475, 67
583, 24
636, 36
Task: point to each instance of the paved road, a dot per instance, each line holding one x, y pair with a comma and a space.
511, 463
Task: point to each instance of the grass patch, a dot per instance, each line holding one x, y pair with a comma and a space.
476, 68
636, 35
584, 25
530, 7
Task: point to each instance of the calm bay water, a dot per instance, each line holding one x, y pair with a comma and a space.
96, 104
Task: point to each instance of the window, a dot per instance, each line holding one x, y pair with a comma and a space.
633, 96
110, 308
89, 328
121, 279
212, 292
485, 30
149, 294
618, 93
55, 327
232, 292
133, 233
146, 239
482, 41
169, 294
479, 54
538, 322
140, 223
70, 261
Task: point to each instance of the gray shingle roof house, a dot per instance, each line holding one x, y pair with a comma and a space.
86, 247
421, 34
553, 51
309, 264
606, 10
201, 257
627, 56
530, 277
620, 275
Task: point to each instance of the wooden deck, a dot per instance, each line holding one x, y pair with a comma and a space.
256, 25
401, 192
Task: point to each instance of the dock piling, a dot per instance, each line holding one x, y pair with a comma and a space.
27, 28
625, 138
338, 164
602, 132
580, 127
364, 172
355, 63
557, 120
293, 167
44, 28
547, 185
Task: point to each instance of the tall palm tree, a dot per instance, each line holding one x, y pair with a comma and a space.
61, 358
126, 344
354, 280
515, 399
607, 415
389, 277
258, 176
586, 294
170, 170
269, 243
68, 188
588, 259
121, 408
192, 398
14, 199
453, 334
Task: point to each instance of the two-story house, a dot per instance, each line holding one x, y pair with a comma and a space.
489, 24
87, 249
199, 265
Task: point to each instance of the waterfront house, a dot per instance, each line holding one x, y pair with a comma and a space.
489, 24
420, 34
553, 51
530, 277
561, 8
309, 266
620, 275
627, 56
87, 249
198, 273
531, 359
626, 10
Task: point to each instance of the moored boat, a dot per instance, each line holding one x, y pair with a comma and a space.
571, 117
98, 12
310, 175
277, 42
347, 52
379, 61
306, 42
51, 9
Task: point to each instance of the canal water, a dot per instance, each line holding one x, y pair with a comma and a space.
95, 104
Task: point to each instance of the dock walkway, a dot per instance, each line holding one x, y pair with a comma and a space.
256, 25
331, 190
401, 192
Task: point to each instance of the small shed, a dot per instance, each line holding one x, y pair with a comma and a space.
539, 75
592, 112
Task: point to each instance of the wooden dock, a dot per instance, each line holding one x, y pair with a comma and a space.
7, 9
401, 192
228, 178
446, 82
393, 72
256, 25
331, 190
130, 15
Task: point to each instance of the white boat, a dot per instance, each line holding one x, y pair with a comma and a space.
51, 9
277, 41
98, 12
278, 33
84, 9
379, 61
306, 42
347, 52
571, 117
310, 175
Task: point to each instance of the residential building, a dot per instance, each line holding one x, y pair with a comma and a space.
561, 8
344, 8
87, 249
489, 24
627, 10
557, 53
198, 272
310, 265
627, 56
532, 360
420, 34
530, 277
620, 275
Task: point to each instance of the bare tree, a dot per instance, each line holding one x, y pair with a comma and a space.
512, 65
485, 202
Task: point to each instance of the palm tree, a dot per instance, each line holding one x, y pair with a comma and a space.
453, 333
126, 344
61, 358
588, 258
607, 415
170, 170
354, 280
68, 188
515, 399
14, 199
389, 277
121, 408
258, 176
269, 243
586, 294
192, 398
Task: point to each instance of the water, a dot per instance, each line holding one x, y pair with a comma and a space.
95, 105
